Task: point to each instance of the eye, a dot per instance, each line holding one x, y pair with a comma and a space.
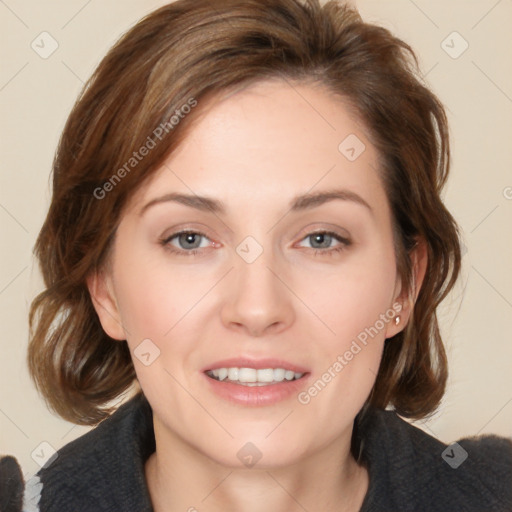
322, 241
187, 243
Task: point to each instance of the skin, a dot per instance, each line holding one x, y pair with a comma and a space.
254, 151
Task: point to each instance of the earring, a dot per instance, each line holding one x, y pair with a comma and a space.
397, 320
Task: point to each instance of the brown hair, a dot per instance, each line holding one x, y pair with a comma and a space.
190, 50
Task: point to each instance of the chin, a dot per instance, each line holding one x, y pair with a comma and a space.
256, 457
254, 450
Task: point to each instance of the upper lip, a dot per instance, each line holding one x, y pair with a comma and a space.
258, 364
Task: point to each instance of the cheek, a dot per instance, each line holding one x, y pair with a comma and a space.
157, 303
354, 295
153, 296
352, 301
354, 305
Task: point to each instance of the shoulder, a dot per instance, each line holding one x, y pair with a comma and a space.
412, 470
103, 469
11, 484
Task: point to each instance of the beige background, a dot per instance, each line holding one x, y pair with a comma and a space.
36, 95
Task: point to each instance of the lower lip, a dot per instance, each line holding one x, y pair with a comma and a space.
255, 396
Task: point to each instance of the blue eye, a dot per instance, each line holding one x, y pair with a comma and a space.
321, 241
188, 242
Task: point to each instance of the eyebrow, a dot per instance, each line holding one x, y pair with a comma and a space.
298, 203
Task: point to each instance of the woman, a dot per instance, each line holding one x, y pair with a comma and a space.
246, 233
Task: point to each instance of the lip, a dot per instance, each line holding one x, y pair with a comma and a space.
258, 364
255, 396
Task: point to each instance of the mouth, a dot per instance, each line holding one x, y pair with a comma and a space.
251, 382
247, 376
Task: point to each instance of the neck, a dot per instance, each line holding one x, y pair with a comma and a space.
181, 479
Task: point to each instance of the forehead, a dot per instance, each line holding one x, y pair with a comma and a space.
271, 141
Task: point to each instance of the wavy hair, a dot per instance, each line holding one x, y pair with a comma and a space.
196, 49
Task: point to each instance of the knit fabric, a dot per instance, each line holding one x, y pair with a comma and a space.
409, 470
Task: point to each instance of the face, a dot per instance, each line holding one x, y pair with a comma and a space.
286, 265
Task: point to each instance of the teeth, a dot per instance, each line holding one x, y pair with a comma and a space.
247, 375
266, 375
279, 374
253, 377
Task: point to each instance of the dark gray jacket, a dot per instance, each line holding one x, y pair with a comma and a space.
103, 471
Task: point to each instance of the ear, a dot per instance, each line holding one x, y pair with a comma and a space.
104, 301
407, 298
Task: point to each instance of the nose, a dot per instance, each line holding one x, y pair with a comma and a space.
258, 301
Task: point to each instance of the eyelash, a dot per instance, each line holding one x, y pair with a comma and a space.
345, 242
